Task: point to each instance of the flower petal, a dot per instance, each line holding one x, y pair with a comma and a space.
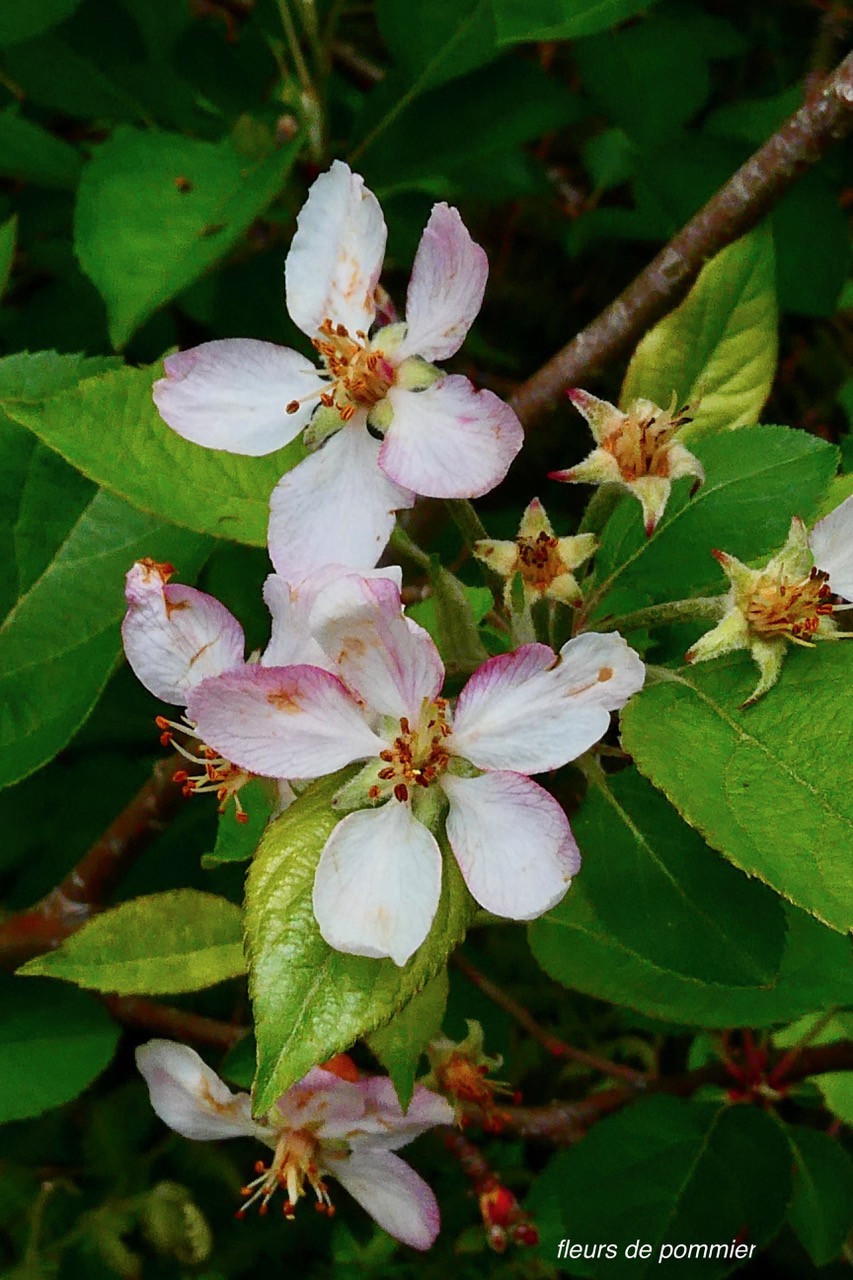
291, 640
385, 1125
831, 541
526, 712
378, 882
174, 636
449, 441
335, 259
388, 660
446, 289
512, 841
392, 1193
190, 1098
232, 394
602, 416
282, 722
335, 507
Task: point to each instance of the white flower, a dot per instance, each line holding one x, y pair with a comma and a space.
442, 438
378, 880
324, 1126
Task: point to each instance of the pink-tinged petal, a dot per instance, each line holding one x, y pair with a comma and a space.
335, 507
291, 641
174, 636
282, 722
527, 712
233, 394
388, 660
323, 1102
334, 262
385, 1125
602, 416
446, 289
449, 441
378, 882
512, 841
831, 542
392, 1193
190, 1098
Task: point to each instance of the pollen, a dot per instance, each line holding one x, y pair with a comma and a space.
779, 606
361, 377
640, 444
212, 772
294, 1163
418, 755
539, 561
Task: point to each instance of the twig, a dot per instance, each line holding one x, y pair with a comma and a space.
179, 1024
735, 209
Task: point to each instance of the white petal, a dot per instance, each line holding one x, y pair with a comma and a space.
282, 722
190, 1098
392, 1193
449, 441
831, 541
512, 841
335, 259
232, 394
335, 507
385, 1125
174, 636
446, 289
519, 711
378, 882
388, 660
291, 641
321, 1101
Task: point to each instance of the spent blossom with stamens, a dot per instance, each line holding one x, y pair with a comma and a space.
378, 880
330, 1124
543, 561
438, 435
638, 450
462, 1071
790, 601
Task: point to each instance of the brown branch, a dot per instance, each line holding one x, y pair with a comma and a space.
735, 209
177, 1024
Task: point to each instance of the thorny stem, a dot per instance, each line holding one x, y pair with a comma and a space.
735, 209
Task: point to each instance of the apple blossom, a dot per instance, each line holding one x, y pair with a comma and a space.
440, 436
323, 1126
544, 562
638, 450
378, 880
789, 600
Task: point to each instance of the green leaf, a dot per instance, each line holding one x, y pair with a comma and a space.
183, 940
667, 1173
433, 41
29, 152
560, 19
155, 210
835, 1086
762, 785
400, 1044
22, 21
452, 615
202, 489
310, 1001
8, 236
821, 1212
237, 841
756, 479
717, 350
54, 1041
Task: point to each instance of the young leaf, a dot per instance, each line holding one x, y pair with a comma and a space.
401, 1042
155, 210
144, 461
182, 940
762, 785
821, 1211
717, 350
54, 1041
237, 841
310, 1001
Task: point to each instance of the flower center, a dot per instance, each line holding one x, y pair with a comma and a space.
215, 773
780, 607
538, 560
640, 445
294, 1163
361, 377
418, 755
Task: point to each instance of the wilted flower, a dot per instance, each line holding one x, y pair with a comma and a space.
324, 1126
638, 450
462, 1070
790, 600
378, 881
543, 561
441, 437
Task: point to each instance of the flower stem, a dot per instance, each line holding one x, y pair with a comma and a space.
657, 615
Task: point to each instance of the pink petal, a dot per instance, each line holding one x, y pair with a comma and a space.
322, 1101
378, 882
335, 259
282, 722
512, 841
174, 636
232, 394
446, 289
450, 441
335, 507
385, 1125
291, 641
392, 1193
384, 657
831, 542
190, 1098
